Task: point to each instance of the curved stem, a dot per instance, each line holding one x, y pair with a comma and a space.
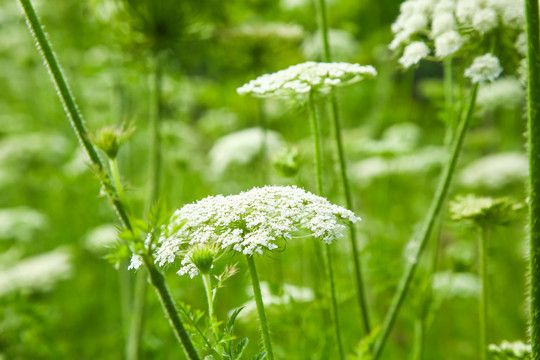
158, 281
533, 112
70, 106
422, 237
260, 307
482, 313
361, 297
329, 269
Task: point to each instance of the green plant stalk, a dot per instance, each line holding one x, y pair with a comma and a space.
260, 307
210, 300
137, 316
449, 101
68, 101
422, 237
419, 338
361, 297
77, 123
482, 313
328, 257
533, 112
155, 133
113, 164
158, 281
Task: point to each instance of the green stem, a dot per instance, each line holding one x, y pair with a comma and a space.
449, 101
329, 269
323, 24
419, 338
77, 123
482, 313
422, 237
533, 112
113, 164
210, 300
70, 106
260, 307
155, 134
158, 281
137, 316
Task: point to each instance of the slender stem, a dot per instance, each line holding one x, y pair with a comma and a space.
361, 297
335, 315
70, 106
155, 133
260, 307
329, 269
482, 313
158, 281
77, 123
533, 112
316, 141
422, 237
419, 337
113, 164
207, 281
449, 101
137, 316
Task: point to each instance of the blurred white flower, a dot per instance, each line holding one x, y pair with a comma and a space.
456, 284
242, 147
252, 221
37, 273
485, 20
302, 78
503, 93
496, 171
343, 45
511, 350
99, 238
413, 53
442, 22
484, 68
271, 30
448, 43
21, 223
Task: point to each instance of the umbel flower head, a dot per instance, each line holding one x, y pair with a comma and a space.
249, 222
485, 210
450, 28
302, 78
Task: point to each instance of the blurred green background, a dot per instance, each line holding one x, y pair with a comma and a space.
59, 297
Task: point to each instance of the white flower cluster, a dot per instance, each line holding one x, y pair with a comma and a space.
250, 222
484, 68
511, 350
443, 27
301, 78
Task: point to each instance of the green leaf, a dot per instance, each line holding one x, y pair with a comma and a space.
259, 356
232, 319
240, 347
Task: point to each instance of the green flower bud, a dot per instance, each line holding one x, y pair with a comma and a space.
286, 161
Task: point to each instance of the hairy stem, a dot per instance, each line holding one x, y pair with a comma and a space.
482, 313
70, 106
158, 281
361, 297
113, 164
533, 112
422, 237
329, 269
77, 123
260, 307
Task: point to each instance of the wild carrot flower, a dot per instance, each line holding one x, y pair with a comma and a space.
250, 222
301, 78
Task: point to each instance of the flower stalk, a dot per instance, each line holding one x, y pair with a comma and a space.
323, 24
328, 256
533, 112
260, 307
77, 122
422, 237
482, 313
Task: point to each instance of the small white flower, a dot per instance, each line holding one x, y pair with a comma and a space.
442, 22
250, 222
448, 43
484, 68
521, 44
485, 20
302, 78
413, 53
444, 6
466, 9
416, 23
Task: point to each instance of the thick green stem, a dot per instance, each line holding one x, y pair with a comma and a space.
422, 237
158, 281
113, 164
449, 101
533, 112
260, 307
323, 25
137, 316
482, 313
68, 101
329, 269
